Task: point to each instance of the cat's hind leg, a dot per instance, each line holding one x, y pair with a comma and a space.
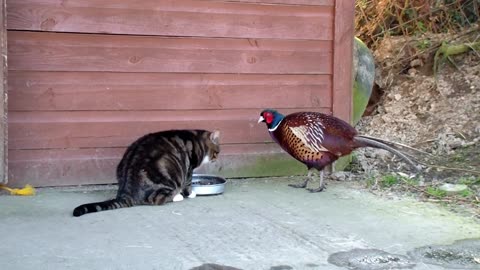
160, 196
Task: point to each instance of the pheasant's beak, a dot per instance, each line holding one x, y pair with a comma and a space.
261, 119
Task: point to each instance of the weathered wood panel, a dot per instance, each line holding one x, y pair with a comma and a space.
64, 91
81, 52
80, 95
97, 165
3, 95
173, 18
87, 129
288, 2
343, 59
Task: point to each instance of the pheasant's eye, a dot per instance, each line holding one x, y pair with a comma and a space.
268, 117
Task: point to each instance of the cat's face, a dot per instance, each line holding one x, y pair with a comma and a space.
213, 146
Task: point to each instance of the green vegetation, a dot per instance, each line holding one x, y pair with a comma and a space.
427, 191
436, 192
371, 182
466, 193
446, 50
471, 181
411, 181
424, 44
459, 157
389, 180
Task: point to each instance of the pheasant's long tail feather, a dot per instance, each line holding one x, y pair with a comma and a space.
101, 206
394, 144
373, 142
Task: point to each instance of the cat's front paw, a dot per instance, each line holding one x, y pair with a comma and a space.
192, 195
178, 198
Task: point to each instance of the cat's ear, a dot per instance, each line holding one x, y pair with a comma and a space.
215, 136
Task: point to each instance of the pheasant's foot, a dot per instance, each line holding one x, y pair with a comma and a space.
319, 189
321, 185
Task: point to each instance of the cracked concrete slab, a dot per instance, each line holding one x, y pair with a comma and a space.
255, 224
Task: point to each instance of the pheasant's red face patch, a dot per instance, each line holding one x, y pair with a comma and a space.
268, 117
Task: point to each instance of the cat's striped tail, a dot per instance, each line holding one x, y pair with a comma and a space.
101, 206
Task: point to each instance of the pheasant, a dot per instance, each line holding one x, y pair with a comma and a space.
318, 139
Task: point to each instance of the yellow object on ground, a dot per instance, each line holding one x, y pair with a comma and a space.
28, 190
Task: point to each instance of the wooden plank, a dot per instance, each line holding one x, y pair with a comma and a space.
173, 18
343, 59
63, 167
3, 95
288, 2
82, 52
87, 129
68, 91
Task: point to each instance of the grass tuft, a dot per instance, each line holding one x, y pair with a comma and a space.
436, 192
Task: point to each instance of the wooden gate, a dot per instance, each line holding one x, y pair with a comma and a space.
88, 77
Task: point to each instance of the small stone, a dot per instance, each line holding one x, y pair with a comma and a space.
455, 144
416, 63
397, 97
386, 118
369, 259
412, 72
453, 188
340, 176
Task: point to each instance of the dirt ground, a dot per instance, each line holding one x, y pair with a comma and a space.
438, 114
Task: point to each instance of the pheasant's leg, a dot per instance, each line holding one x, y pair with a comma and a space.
321, 187
304, 183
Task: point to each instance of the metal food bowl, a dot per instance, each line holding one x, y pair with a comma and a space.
207, 184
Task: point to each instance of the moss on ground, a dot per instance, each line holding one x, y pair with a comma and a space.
267, 166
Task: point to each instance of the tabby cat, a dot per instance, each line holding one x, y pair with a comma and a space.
158, 168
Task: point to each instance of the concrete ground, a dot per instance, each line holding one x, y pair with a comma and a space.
255, 224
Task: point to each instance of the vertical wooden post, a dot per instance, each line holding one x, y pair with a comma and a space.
343, 59
3, 93
342, 104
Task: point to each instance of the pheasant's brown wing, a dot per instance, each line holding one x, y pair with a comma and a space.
311, 135
320, 132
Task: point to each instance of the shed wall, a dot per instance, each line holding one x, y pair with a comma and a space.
88, 77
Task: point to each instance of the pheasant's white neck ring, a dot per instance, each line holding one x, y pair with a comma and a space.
275, 127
